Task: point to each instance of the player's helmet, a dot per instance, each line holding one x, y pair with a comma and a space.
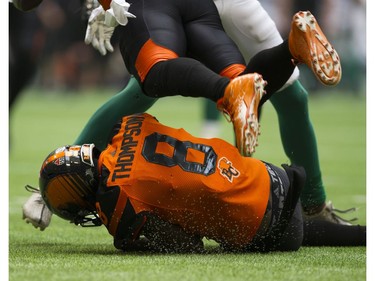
68, 182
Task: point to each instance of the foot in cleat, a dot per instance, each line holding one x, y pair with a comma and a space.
240, 102
309, 45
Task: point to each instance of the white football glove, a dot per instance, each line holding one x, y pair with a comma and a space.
118, 13
36, 212
98, 34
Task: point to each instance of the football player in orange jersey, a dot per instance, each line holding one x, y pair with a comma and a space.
161, 189
151, 174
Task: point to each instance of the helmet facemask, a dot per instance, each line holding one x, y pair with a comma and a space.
68, 183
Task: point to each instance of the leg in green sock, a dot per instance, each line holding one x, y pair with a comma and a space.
211, 119
210, 111
129, 101
299, 142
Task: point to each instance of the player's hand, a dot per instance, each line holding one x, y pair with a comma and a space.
118, 13
35, 210
98, 34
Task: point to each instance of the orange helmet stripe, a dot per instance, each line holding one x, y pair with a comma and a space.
52, 158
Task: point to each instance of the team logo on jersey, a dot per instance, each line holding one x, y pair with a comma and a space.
227, 170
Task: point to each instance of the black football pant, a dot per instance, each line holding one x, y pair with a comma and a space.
192, 30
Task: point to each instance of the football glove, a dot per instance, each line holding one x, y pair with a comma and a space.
35, 211
118, 13
98, 34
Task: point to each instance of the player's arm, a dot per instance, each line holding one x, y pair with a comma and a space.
170, 238
127, 226
160, 236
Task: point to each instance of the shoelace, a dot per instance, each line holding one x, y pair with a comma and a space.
333, 212
32, 189
225, 112
227, 116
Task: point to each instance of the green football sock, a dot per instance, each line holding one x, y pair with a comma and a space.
299, 142
129, 101
210, 111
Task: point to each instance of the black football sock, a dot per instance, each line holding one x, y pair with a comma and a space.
275, 65
186, 77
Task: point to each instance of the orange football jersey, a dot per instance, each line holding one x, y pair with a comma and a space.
203, 185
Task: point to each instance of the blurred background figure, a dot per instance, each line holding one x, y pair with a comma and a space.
350, 38
26, 43
47, 51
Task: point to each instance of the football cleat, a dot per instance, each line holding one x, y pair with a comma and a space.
308, 44
240, 104
329, 213
35, 210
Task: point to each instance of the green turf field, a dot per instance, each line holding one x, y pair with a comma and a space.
41, 122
